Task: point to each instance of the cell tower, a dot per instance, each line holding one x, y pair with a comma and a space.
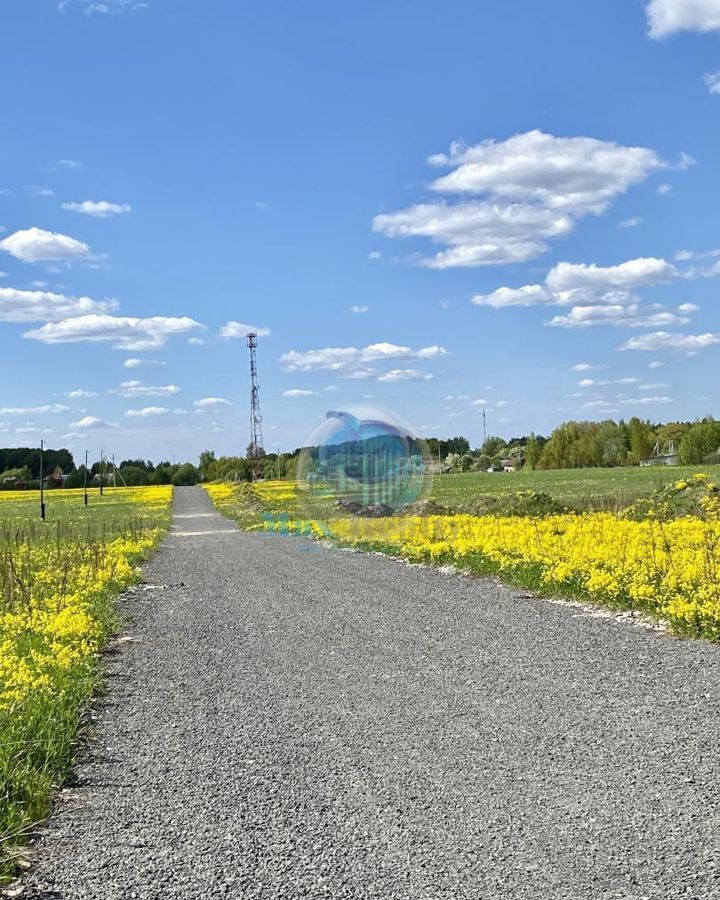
255, 450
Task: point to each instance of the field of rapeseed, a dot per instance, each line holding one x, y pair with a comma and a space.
57, 584
660, 556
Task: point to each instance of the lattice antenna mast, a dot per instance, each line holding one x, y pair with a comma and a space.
256, 439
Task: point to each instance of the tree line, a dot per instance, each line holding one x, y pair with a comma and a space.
572, 445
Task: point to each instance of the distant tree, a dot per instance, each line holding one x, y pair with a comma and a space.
700, 441
207, 463
134, 476
76, 478
186, 474
494, 446
138, 464
533, 451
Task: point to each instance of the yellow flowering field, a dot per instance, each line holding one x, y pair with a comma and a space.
57, 584
661, 555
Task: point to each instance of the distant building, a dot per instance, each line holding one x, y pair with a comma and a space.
662, 455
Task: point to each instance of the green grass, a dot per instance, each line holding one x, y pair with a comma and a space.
599, 489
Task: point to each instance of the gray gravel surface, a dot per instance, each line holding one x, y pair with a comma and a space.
285, 720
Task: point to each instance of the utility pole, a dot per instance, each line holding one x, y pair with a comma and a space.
484, 429
42, 482
85, 496
114, 472
256, 450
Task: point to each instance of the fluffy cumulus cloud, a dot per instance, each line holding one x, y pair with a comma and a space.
123, 332
587, 367
138, 389
577, 174
631, 315
478, 234
352, 358
630, 275
597, 295
80, 394
37, 245
44, 306
666, 17
211, 403
147, 412
528, 295
92, 422
238, 330
503, 201
578, 283
395, 375
297, 392
99, 209
663, 340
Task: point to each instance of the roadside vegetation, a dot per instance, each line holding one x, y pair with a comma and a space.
659, 554
58, 581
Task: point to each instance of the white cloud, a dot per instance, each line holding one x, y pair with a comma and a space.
36, 245
125, 332
69, 164
76, 395
585, 286
196, 341
44, 306
89, 422
374, 254
653, 387
712, 80
591, 382
395, 375
663, 340
347, 358
238, 330
587, 367
138, 389
359, 309
645, 401
134, 362
33, 410
578, 174
147, 412
666, 17
296, 392
529, 295
630, 316
664, 190
478, 234
634, 273
209, 402
631, 223
99, 209
38, 191
656, 364
103, 7
361, 374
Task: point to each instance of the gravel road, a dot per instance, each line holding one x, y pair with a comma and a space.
290, 721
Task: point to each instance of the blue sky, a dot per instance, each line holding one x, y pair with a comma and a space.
435, 209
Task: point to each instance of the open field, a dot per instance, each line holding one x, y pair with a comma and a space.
57, 584
585, 488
